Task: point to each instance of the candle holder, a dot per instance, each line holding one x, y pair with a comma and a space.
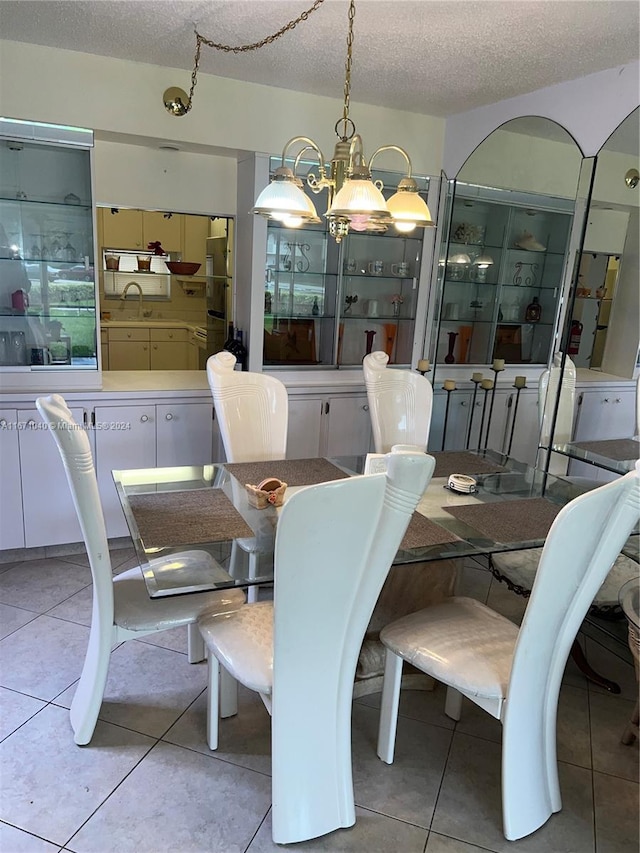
486, 385
497, 367
448, 386
519, 383
476, 379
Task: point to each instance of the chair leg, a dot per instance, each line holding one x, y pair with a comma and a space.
86, 702
213, 710
389, 708
453, 704
196, 651
252, 591
228, 694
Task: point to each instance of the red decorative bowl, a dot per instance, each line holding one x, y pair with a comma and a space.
183, 267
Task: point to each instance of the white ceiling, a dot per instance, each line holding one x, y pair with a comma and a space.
436, 57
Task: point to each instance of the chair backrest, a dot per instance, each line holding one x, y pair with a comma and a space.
400, 404
637, 432
75, 450
335, 543
252, 411
585, 539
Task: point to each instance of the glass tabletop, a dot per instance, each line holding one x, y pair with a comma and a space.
617, 454
181, 488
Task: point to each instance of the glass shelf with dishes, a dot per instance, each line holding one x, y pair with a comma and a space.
504, 265
47, 272
327, 303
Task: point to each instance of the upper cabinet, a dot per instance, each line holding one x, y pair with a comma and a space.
508, 247
122, 228
329, 303
47, 270
503, 276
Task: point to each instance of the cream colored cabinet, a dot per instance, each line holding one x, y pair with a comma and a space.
120, 228
11, 527
169, 349
129, 349
163, 227
49, 515
194, 247
184, 434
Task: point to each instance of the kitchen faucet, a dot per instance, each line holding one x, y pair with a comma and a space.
126, 290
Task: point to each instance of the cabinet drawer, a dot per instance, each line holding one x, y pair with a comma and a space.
169, 335
134, 334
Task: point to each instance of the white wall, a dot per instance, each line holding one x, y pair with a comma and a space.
590, 108
137, 176
122, 97
516, 161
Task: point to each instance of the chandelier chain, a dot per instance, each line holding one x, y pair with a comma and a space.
245, 48
347, 78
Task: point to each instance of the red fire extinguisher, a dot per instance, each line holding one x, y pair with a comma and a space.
574, 337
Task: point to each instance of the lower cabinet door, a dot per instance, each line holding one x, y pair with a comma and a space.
347, 426
125, 437
184, 434
11, 520
305, 419
170, 355
49, 514
129, 355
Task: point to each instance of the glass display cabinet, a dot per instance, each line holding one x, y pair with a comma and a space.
47, 273
503, 276
329, 304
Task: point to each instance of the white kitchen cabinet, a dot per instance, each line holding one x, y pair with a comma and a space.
498, 421
125, 438
11, 527
49, 515
347, 426
602, 414
143, 436
184, 434
328, 425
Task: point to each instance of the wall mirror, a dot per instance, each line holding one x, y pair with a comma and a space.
508, 247
166, 287
604, 329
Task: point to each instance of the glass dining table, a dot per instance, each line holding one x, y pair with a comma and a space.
207, 507
618, 455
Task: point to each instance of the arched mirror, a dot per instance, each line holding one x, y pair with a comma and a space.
603, 331
508, 246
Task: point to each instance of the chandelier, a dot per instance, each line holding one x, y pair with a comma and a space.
355, 201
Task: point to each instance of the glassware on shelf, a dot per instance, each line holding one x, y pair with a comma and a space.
533, 311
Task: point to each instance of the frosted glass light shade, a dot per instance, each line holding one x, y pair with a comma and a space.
358, 197
460, 258
283, 200
409, 209
483, 261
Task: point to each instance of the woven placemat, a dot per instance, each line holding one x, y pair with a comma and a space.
619, 449
170, 519
509, 521
422, 533
460, 462
293, 472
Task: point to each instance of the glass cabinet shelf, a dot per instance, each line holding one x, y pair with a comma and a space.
47, 273
504, 263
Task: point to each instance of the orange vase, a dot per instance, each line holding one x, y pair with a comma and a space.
464, 339
390, 331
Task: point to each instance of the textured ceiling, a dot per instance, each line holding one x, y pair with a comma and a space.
426, 56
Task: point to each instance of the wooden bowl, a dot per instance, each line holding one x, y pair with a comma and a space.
183, 267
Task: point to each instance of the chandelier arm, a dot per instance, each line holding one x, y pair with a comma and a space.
309, 145
392, 148
244, 48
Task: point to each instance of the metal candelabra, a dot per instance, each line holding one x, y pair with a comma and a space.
498, 367
476, 379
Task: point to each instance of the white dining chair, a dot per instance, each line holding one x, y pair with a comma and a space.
122, 608
400, 404
335, 543
515, 674
253, 416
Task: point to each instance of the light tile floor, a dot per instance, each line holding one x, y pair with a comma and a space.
149, 784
